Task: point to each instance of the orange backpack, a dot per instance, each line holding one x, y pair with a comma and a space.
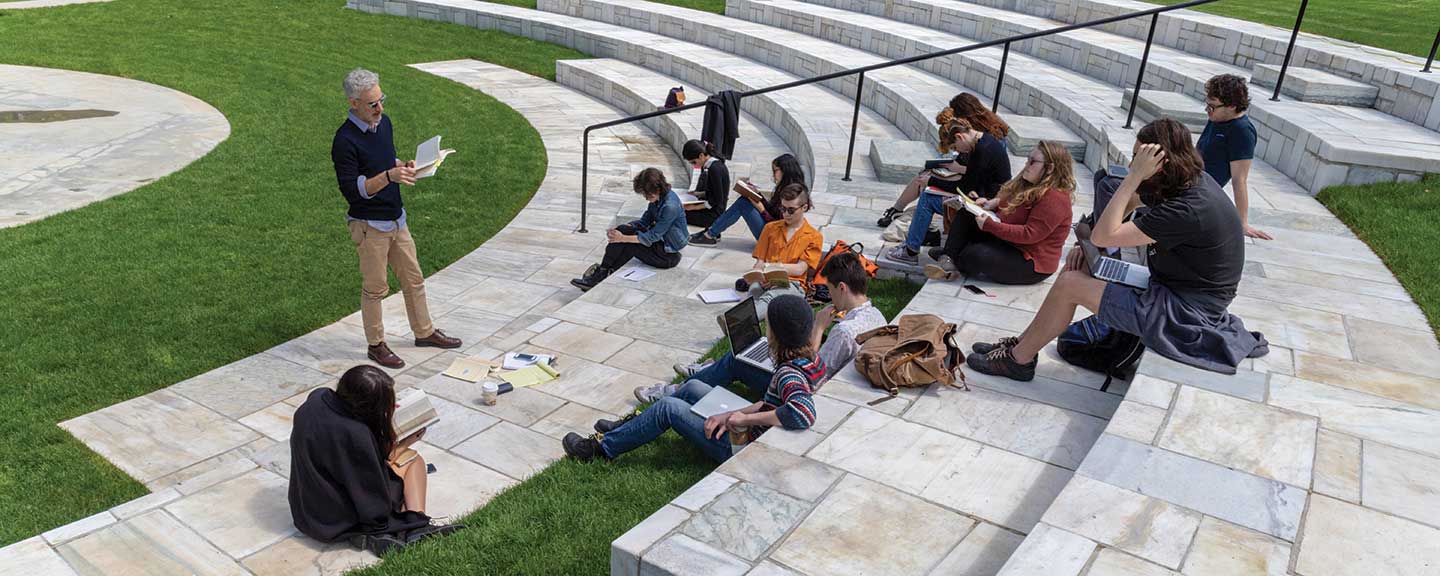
839, 248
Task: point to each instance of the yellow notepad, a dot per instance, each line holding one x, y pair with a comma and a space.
469, 368
538, 373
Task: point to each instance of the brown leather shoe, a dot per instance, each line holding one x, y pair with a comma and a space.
382, 355
438, 339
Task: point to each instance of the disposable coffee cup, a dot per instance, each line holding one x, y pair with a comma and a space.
490, 393
739, 437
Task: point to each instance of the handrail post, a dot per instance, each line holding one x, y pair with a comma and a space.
1431, 59
854, 122
1285, 66
1140, 75
584, 176
1000, 79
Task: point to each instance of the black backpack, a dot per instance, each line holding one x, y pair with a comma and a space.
1092, 345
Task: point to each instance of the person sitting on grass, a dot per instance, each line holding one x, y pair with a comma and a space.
986, 171
790, 242
1024, 246
713, 186
964, 106
788, 402
655, 239
847, 280
344, 481
1196, 253
786, 170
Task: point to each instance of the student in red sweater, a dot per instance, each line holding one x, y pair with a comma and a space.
1024, 246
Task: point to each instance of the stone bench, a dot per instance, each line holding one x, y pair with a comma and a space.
1026, 132
1155, 104
1320, 87
898, 161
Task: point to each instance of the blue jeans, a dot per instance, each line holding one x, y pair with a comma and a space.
727, 369
671, 412
740, 208
926, 208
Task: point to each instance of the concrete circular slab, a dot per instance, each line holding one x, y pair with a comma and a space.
71, 138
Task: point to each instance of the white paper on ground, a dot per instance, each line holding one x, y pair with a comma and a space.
637, 274
720, 296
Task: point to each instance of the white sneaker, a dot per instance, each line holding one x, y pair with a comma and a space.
687, 370
654, 392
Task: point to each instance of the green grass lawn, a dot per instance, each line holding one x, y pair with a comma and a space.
561, 521
1402, 25
244, 249
1401, 223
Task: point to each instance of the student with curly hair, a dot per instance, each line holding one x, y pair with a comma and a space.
655, 239
1228, 142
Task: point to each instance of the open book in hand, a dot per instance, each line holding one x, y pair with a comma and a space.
971, 205
749, 191
413, 413
690, 202
945, 173
428, 157
773, 275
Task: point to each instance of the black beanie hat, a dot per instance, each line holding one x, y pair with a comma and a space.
791, 320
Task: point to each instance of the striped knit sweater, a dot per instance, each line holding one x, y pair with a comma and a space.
789, 394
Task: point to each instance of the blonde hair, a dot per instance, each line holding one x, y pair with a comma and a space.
1059, 176
948, 130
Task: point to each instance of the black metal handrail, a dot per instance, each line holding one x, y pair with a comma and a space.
1431, 59
1154, 13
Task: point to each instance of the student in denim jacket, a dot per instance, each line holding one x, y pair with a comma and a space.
655, 239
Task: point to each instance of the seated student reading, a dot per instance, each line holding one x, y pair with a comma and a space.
986, 171
713, 185
788, 402
1024, 246
655, 239
788, 249
786, 170
847, 280
345, 482
964, 106
1196, 253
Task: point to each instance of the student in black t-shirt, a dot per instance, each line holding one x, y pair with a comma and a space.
1196, 253
714, 184
1228, 142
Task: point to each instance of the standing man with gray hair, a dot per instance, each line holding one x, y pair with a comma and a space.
370, 175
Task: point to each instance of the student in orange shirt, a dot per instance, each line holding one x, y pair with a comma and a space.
790, 241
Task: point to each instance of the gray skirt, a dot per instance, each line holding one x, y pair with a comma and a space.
1175, 329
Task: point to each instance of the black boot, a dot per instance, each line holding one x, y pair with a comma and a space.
604, 426
582, 448
593, 276
377, 544
888, 217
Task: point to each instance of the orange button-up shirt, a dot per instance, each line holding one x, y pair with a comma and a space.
803, 247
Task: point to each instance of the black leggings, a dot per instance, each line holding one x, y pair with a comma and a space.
617, 254
976, 251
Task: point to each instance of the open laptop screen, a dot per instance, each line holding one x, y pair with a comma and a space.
742, 324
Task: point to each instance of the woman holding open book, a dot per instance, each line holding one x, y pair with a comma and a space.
751, 206
350, 476
1016, 237
655, 239
964, 106
713, 185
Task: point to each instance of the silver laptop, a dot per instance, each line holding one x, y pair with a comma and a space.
747, 342
1114, 269
718, 401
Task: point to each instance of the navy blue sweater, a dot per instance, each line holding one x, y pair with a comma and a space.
356, 153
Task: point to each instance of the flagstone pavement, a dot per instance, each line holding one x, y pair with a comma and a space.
1317, 459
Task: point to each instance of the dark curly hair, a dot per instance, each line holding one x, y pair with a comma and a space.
1230, 90
651, 183
1183, 165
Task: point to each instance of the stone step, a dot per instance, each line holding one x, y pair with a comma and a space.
1318, 86
1026, 132
907, 97
1155, 103
897, 161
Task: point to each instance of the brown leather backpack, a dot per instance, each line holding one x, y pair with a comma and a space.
918, 350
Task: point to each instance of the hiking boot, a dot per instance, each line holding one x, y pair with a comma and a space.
888, 217
932, 238
942, 269
438, 339
1000, 362
605, 426
382, 355
901, 255
594, 275
654, 392
986, 347
377, 544
703, 238
687, 370
431, 531
582, 448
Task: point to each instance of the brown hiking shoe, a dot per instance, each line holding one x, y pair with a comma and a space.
438, 339
382, 355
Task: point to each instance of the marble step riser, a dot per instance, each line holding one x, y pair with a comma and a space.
767, 108
976, 71
671, 131
1319, 92
881, 92
1404, 91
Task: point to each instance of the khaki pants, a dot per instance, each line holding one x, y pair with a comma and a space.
397, 249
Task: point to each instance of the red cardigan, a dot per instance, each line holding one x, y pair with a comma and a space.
1038, 230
